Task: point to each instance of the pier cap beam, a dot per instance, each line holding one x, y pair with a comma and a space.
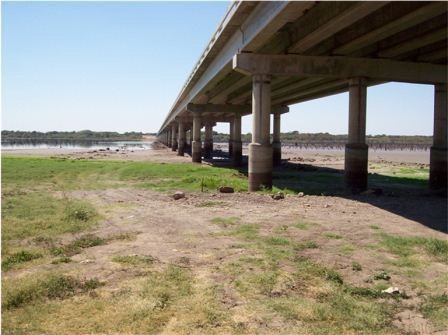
340, 67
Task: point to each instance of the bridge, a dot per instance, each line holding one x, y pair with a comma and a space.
265, 56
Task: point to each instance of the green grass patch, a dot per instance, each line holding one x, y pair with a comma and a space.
276, 240
225, 221
20, 257
207, 204
408, 246
333, 236
435, 308
301, 225
134, 260
38, 214
75, 247
20, 292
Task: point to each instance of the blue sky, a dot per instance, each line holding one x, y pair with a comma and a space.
120, 65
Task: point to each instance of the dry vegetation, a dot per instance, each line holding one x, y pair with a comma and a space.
100, 247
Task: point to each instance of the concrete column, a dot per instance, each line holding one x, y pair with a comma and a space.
276, 143
231, 138
208, 140
181, 139
174, 137
356, 150
260, 150
237, 148
196, 149
169, 137
438, 153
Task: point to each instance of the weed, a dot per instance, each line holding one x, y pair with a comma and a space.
435, 307
276, 240
63, 259
18, 258
134, 260
229, 221
75, 247
301, 225
246, 231
356, 266
333, 236
383, 275
305, 245
52, 286
333, 276
211, 204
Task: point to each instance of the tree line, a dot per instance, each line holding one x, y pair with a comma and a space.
71, 135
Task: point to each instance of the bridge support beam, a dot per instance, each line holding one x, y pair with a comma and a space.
231, 138
276, 144
173, 137
237, 146
260, 150
196, 149
356, 150
181, 142
438, 153
208, 140
169, 137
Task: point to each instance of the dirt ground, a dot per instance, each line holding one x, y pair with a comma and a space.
182, 232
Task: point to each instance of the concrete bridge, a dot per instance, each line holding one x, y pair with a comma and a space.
265, 56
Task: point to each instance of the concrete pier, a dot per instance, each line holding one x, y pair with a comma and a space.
181, 141
356, 150
174, 137
260, 150
231, 138
276, 143
196, 146
208, 140
438, 153
237, 146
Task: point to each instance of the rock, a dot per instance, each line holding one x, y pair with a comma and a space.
87, 261
391, 290
278, 196
300, 194
226, 189
178, 195
326, 205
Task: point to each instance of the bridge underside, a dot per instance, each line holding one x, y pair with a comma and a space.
266, 56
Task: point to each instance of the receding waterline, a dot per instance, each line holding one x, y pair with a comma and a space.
28, 144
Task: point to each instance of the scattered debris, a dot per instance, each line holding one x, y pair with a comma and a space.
391, 290
278, 196
178, 195
226, 189
87, 261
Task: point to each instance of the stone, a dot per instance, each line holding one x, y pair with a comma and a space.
300, 194
278, 196
226, 189
178, 195
391, 290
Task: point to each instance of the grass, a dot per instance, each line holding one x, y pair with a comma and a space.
435, 308
18, 258
75, 247
407, 247
19, 292
39, 214
225, 221
333, 236
134, 260
277, 279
